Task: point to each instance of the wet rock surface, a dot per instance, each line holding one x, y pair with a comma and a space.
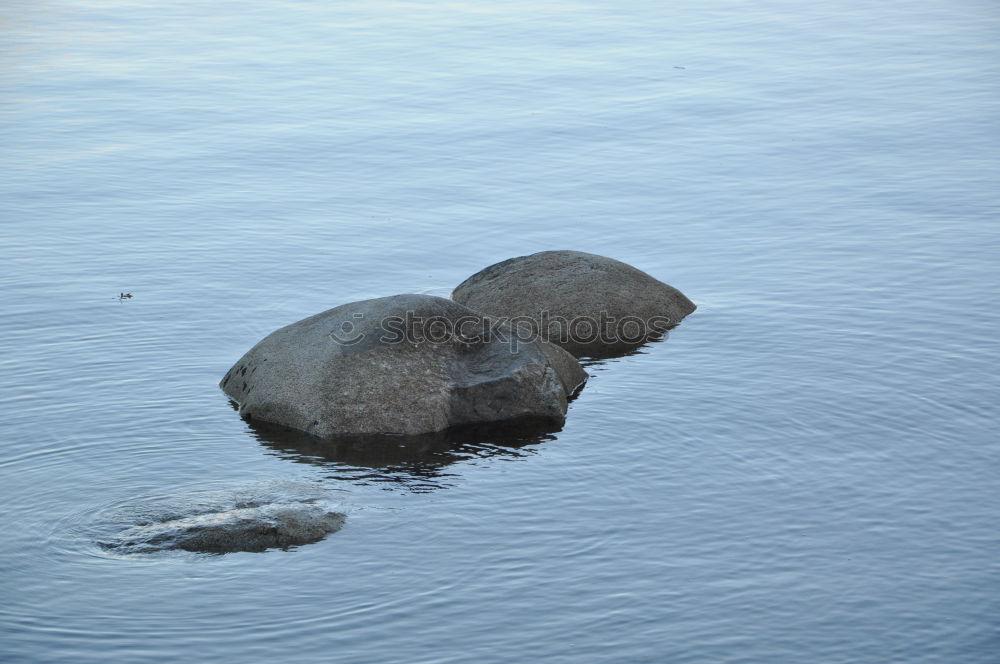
407, 364
589, 305
242, 525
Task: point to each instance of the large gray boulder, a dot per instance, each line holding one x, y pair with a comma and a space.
407, 364
589, 305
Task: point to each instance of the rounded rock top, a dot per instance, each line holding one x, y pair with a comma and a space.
590, 305
405, 364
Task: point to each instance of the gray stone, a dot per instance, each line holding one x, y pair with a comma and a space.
244, 528
556, 293
407, 364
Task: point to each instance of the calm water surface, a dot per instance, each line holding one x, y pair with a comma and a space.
804, 471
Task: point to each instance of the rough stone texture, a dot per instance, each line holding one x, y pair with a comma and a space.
571, 285
368, 383
247, 528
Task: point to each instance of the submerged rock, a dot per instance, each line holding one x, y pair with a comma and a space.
245, 527
407, 364
589, 305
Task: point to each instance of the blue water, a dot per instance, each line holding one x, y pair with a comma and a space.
804, 471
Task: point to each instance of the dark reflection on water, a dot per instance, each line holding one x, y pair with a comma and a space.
599, 359
412, 463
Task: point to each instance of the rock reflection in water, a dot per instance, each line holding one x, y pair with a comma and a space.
411, 463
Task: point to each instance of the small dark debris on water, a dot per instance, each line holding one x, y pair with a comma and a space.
678, 67
124, 296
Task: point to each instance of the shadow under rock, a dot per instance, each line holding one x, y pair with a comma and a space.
599, 359
411, 463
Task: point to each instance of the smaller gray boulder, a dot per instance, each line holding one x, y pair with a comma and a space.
587, 304
248, 527
407, 364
